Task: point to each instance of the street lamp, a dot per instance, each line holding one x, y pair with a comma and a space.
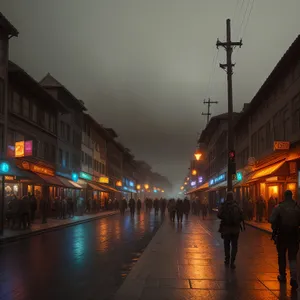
194, 172
146, 186
182, 188
198, 154
138, 187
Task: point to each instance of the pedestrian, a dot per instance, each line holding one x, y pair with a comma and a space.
285, 220
250, 208
260, 209
271, 205
198, 207
132, 207
123, 206
163, 205
138, 206
204, 208
179, 210
33, 206
156, 206
186, 208
194, 207
231, 217
172, 209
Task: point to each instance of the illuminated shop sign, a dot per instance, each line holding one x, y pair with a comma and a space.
119, 183
104, 179
193, 183
75, 177
37, 169
217, 179
239, 176
85, 176
4, 167
131, 183
200, 179
9, 178
23, 148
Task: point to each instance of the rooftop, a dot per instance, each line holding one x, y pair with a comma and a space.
18, 75
50, 82
7, 26
288, 60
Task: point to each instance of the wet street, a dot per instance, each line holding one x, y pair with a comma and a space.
85, 262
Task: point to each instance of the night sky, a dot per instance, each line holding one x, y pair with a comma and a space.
144, 67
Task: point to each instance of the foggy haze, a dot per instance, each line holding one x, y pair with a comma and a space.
144, 67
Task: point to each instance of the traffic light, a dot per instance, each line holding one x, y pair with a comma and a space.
232, 155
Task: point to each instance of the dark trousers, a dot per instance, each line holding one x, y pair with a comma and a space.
172, 215
290, 246
132, 210
230, 241
186, 216
179, 216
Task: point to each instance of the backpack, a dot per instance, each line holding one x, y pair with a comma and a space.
232, 215
289, 216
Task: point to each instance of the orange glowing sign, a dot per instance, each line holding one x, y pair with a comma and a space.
37, 169
9, 178
119, 183
281, 145
20, 149
104, 179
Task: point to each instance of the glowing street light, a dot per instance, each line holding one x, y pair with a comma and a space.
138, 187
182, 188
146, 186
194, 172
185, 183
198, 154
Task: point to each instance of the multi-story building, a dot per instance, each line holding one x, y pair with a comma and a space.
68, 127
129, 175
32, 137
268, 132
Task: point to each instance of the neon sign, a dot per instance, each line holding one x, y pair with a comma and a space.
85, 176
193, 183
239, 176
200, 179
217, 179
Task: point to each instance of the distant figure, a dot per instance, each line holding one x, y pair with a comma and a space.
163, 205
33, 206
132, 207
172, 209
138, 206
194, 207
186, 207
260, 209
123, 206
204, 208
156, 206
179, 210
271, 205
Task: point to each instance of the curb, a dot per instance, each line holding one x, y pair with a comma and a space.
21, 236
259, 228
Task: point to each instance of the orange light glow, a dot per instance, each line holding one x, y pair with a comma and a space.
138, 187
19, 149
194, 172
267, 171
119, 183
146, 186
182, 188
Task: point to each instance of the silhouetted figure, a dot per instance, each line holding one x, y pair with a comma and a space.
139, 206
132, 207
179, 210
156, 206
123, 206
172, 209
271, 205
186, 207
163, 205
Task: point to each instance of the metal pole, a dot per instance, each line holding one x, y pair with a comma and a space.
230, 105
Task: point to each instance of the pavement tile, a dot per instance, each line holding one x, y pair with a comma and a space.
174, 283
208, 284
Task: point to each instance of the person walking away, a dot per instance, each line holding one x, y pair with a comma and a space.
156, 206
138, 206
260, 209
163, 205
33, 206
285, 220
186, 207
231, 217
194, 207
123, 206
132, 207
271, 205
250, 208
198, 207
172, 210
179, 210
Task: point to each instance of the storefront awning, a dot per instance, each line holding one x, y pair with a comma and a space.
51, 180
108, 188
266, 171
95, 187
199, 188
69, 183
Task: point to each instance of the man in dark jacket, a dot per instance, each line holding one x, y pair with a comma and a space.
179, 210
132, 207
186, 207
285, 220
231, 217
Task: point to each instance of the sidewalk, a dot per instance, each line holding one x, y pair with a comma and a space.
262, 226
11, 235
186, 262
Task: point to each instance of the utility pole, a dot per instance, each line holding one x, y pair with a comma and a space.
209, 103
228, 46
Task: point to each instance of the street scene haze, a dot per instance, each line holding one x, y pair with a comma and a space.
149, 149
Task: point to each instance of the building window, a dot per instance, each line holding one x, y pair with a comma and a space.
68, 132
52, 122
60, 157
34, 113
62, 129
67, 159
47, 120
16, 103
25, 107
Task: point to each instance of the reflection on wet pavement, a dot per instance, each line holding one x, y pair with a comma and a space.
87, 261
186, 261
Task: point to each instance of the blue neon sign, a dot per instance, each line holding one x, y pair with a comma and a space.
217, 179
75, 177
239, 176
4, 167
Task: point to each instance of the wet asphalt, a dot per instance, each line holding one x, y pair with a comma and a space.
85, 262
